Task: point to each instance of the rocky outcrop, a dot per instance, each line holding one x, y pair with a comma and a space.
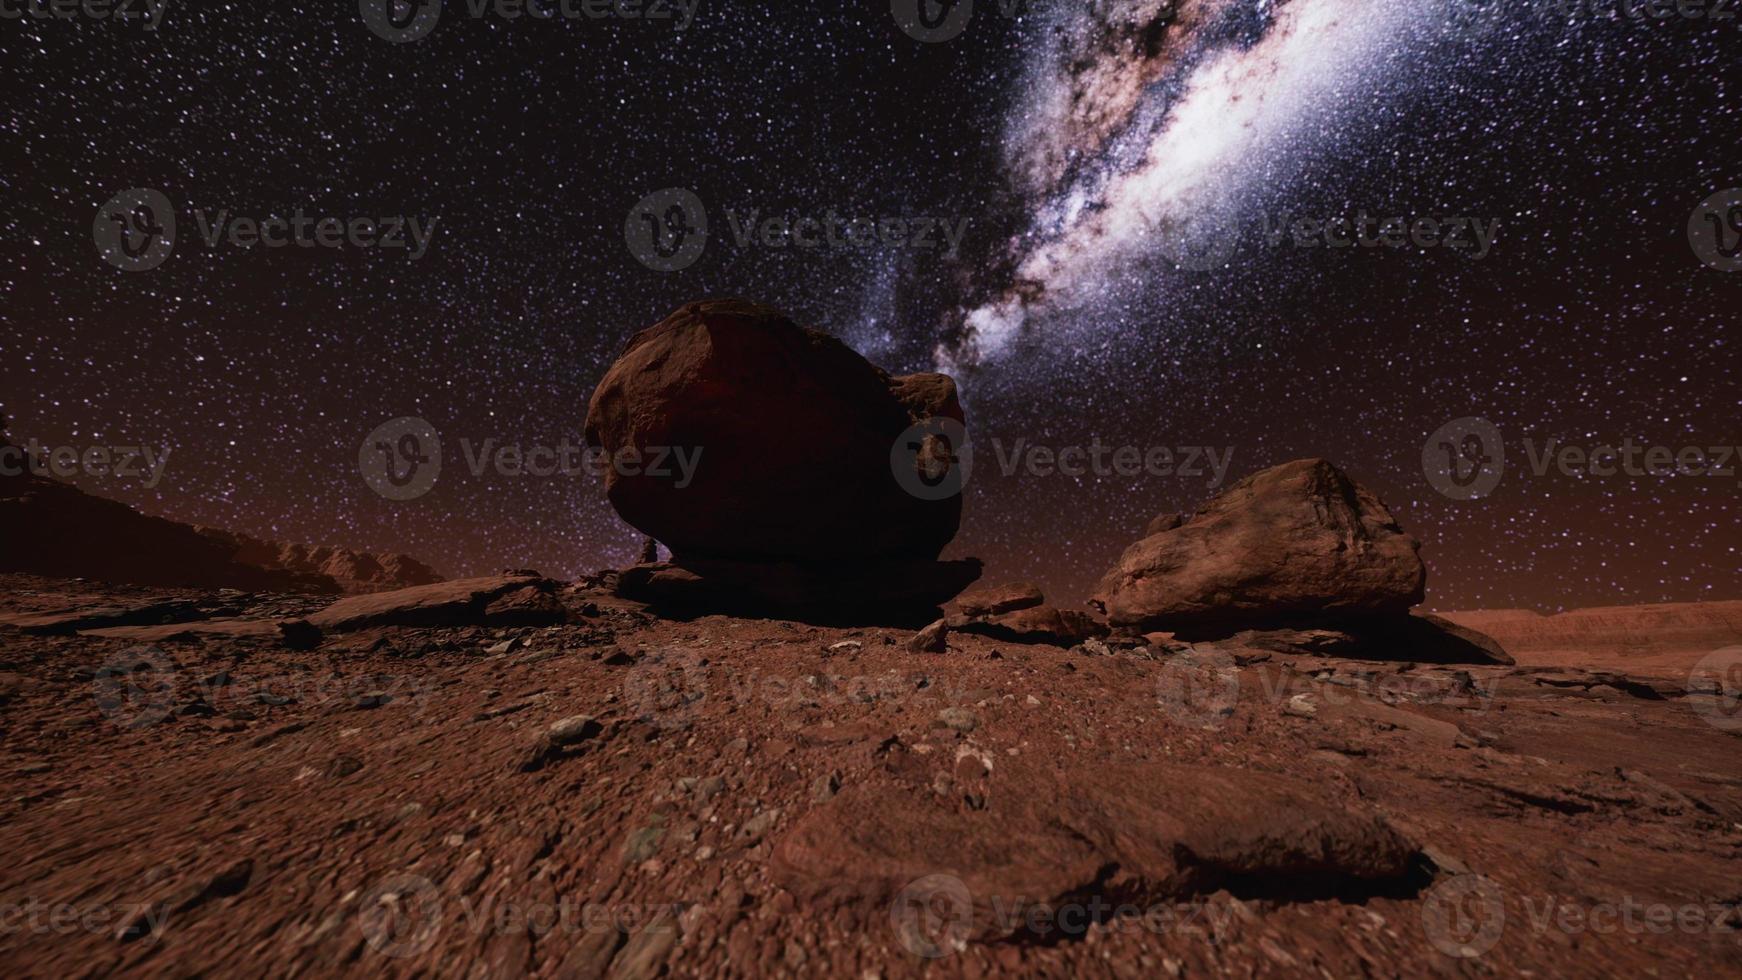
790, 463
55, 529
503, 600
1298, 541
790, 432
1296, 559
351, 572
1017, 613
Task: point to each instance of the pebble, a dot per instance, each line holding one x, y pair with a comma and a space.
1301, 706
960, 719
932, 639
575, 728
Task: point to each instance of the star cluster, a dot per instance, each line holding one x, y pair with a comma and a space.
1588, 140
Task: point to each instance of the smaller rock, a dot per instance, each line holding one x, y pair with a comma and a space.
846, 646
959, 719
932, 639
1301, 706
507, 646
576, 728
995, 600
825, 786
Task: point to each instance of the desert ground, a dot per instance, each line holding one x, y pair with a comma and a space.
515, 776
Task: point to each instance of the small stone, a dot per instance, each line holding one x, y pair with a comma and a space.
343, 766
506, 646
932, 639
576, 728
1032, 701
825, 786
1300, 706
760, 824
846, 646
960, 719
704, 852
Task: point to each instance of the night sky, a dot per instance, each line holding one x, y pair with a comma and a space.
1079, 149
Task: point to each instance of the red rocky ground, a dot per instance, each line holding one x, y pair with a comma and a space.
627, 796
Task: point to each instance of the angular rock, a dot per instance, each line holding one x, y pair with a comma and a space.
1297, 542
1038, 624
993, 600
933, 639
795, 432
533, 605
443, 604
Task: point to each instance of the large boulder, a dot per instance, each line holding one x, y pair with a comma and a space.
1294, 543
795, 433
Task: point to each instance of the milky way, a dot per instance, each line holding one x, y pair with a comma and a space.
1143, 129
1097, 156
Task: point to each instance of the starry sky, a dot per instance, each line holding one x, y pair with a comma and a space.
1122, 170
